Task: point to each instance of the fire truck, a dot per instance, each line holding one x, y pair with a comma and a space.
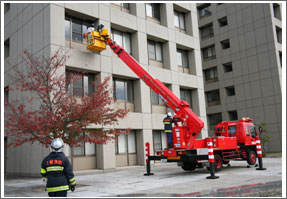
231, 140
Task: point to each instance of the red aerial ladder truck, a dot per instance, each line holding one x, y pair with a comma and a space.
231, 140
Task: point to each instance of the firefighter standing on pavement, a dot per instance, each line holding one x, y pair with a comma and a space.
168, 129
57, 169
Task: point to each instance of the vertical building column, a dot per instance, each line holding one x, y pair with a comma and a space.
106, 152
143, 136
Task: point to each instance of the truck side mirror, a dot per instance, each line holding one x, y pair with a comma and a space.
260, 129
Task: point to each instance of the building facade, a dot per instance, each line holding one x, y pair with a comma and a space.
241, 48
163, 38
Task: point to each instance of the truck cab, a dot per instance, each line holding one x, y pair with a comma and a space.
244, 131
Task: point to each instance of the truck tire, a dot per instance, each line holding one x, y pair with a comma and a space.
188, 166
217, 163
225, 162
251, 158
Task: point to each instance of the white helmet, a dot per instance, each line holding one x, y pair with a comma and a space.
169, 114
57, 145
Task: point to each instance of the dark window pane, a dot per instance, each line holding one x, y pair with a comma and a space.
130, 91
77, 37
232, 130
76, 26
151, 50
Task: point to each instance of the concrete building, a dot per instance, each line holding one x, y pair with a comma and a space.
163, 38
242, 64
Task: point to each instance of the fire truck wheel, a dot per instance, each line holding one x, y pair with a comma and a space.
251, 158
218, 162
188, 166
225, 162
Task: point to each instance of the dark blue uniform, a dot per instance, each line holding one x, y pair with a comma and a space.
57, 168
168, 129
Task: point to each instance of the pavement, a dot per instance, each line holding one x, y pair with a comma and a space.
168, 180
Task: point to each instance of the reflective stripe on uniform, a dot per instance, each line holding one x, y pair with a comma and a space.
72, 181
167, 131
43, 171
166, 122
55, 168
54, 189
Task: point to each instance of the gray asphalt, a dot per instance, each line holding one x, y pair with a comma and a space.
168, 180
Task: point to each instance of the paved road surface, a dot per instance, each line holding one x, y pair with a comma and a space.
169, 180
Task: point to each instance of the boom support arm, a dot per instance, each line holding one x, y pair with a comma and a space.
190, 121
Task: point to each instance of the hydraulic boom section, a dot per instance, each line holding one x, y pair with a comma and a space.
189, 123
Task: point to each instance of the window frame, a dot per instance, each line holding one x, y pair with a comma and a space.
126, 138
222, 22
225, 44
175, 12
230, 91
155, 43
71, 20
205, 8
277, 15
126, 82
227, 67
215, 121
162, 146
183, 53
212, 51
7, 48
70, 85
154, 7
123, 38
214, 72
187, 92
214, 94
209, 27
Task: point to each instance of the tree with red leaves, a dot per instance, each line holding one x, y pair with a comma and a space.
58, 113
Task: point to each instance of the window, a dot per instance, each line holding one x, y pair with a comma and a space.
276, 10
6, 94
208, 52
155, 99
222, 22
280, 58
225, 44
85, 148
227, 67
230, 91
159, 140
206, 31
123, 39
213, 98
123, 6
219, 4
204, 10
185, 94
279, 34
182, 58
74, 28
232, 115
179, 20
247, 131
7, 48
123, 90
152, 10
232, 130
214, 118
126, 143
211, 75
252, 130
155, 50
6, 7
80, 84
